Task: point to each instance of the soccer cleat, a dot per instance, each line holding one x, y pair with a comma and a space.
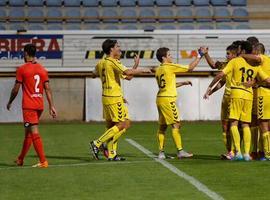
94, 150
44, 164
184, 154
254, 155
260, 155
227, 156
116, 158
161, 155
247, 157
237, 157
19, 162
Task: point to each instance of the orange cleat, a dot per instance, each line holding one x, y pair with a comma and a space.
44, 164
18, 162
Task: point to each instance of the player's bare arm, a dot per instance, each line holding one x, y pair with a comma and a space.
220, 84
48, 92
135, 66
132, 72
195, 62
215, 81
14, 93
179, 84
252, 57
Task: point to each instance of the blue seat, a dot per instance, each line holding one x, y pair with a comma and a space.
127, 3
55, 27
3, 14
35, 14
111, 27
201, 2
35, 3
239, 2
206, 27
73, 14
53, 3
149, 28
183, 2
16, 14
165, 12
108, 3
3, 27
222, 14
186, 13
74, 3
224, 27
238, 15
164, 2
243, 26
90, 3
16, 26
187, 27
36, 27
54, 13
146, 2
73, 26
219, 2
3, 2
130, 27
203, 12
129, 13
93, 14
145, 13
110, 15
16, 2
168, 27
91, 27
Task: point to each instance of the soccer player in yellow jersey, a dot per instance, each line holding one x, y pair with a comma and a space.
231, 52
110, 70
166, 99
242, 72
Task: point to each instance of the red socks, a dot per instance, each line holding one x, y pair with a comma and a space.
38, 146
26, 145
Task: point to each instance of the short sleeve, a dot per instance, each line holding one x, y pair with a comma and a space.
262, 75
118, 66
228, 67
179, 68
19, 75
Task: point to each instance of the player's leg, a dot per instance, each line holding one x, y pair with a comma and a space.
161, 140
25, 148
263, 124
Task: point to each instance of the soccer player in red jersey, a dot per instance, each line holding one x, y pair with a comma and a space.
34, 80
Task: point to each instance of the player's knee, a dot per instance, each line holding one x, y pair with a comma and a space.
128, 124
176, 125
162, 127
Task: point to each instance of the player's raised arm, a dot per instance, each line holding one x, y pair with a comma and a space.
135, 66
195, 62
209, 60
48, 92
14, 93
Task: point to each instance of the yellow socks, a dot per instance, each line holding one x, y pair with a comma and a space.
107, 135
177, 139
161, 140
266, 144
236, 138
247, 139
116, 137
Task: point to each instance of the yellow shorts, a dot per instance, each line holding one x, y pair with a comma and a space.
240, 109
225, 107
117, 112
263, 107
168, 112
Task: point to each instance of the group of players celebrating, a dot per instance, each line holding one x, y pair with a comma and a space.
246, 100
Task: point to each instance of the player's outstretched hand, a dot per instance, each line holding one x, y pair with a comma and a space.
53, 112
207, 93
8, 106
204, 49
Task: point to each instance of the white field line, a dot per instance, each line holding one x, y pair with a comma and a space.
77, 164
196, 183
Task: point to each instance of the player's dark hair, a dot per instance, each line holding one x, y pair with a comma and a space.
162, 52
30, 49
260, 47
233, 48
237, 43
247, 46
107, 45
253, 40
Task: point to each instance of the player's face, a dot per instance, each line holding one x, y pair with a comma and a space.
168, 58
116, 50
230, 55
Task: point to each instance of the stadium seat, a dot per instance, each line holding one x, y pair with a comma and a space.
164, 2
187, 27
3, 2
222, 14
36, 27
130, 27
90, 3
93, 13
2, 27
35, 14
206, 27
54, 13
203, 12
73, 26
129, 13
147, 12
35, 3
72, 14
166, 12
149, 28
238, 2
183, 2
74, 3
127, 3
110, 14
219, 2
55, 27
3, 13
17, 13
112, 3
224, 27
186, 13
201, 2
111, 27
243, 26
16, 2
238, 13
146, 2
91, 27
16, 26
53, 3
168, 27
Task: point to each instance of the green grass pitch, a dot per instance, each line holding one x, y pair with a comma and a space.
73, 174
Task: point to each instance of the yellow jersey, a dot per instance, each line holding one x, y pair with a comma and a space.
227, 91
166, 79
242, 72
110, 71
263, 89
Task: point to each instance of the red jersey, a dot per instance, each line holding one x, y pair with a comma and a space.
32, 76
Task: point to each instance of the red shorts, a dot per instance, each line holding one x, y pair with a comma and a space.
31, 117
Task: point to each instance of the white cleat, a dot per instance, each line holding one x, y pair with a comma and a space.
161, 155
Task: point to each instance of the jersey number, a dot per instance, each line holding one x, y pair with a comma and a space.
161, 81
249, 73
37, 79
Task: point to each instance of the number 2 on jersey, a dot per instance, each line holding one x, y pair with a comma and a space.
37, 79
